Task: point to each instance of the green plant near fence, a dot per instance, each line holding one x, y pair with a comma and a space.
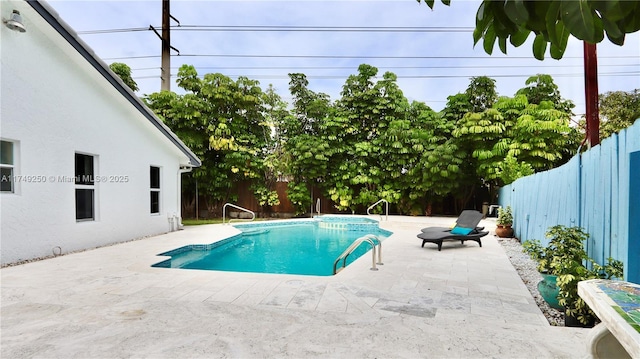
565, 256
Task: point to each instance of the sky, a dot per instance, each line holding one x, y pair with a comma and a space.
431, 51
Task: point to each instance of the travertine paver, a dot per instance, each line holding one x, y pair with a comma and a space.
464, 301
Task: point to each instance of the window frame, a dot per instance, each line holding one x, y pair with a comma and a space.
11, 166
155, 189
86, 182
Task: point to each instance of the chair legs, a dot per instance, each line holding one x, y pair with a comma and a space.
472, 239
439, 242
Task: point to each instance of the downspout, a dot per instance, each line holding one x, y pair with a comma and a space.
178, 216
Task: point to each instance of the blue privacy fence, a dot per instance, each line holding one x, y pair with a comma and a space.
598, 191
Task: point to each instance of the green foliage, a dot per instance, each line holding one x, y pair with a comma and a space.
371, 122
541, 136
303, 145
489, 142
342, 197
299, 195
552, 22
618, 110
510, 169
197, 222
457, 106
371, 144
309, 108
438, 170
124, 72
266, 197
538, 136
223, 122
566, 258
481, 93
542, 88
447, 165
571, 274
505, 216
540, 254
565, 248
276, 162
482, 132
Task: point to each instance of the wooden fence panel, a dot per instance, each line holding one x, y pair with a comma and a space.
631, 203
543, 198
247, 199
633, 250
620, 213
285, 205
593, 201
593, 191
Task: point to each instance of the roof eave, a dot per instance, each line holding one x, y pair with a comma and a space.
51, 16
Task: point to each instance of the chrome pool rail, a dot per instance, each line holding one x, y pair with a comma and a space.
386, 208
224, 209
369, 238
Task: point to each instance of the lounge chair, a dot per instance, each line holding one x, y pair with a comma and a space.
468, 219
466, 229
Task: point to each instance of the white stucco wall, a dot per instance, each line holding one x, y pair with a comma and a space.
54, 103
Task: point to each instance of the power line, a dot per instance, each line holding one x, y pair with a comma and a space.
324, 28
329, 77
384, 67
109, 31
287, 28
404, 57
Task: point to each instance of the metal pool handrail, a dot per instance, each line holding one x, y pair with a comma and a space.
386, 208
369, 238
224, 209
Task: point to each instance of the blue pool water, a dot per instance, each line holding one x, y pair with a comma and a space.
291, 247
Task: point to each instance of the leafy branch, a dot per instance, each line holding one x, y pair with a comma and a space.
552, 22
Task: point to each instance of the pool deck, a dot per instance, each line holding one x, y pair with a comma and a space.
462, 302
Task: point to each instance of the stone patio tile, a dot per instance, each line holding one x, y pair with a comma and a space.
462, 302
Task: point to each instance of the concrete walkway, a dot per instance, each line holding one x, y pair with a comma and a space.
462, 302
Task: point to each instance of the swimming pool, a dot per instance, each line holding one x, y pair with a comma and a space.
307, 247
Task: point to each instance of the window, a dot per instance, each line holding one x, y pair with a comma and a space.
6, 166
154, 184
85, 189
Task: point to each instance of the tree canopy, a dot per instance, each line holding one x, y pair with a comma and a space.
223, 122
124, 72
552, 22
618, 110
370, 144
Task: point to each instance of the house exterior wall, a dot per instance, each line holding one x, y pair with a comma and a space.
54, 104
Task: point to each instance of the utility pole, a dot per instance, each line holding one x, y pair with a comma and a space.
591, 93
165, 74
165, 38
